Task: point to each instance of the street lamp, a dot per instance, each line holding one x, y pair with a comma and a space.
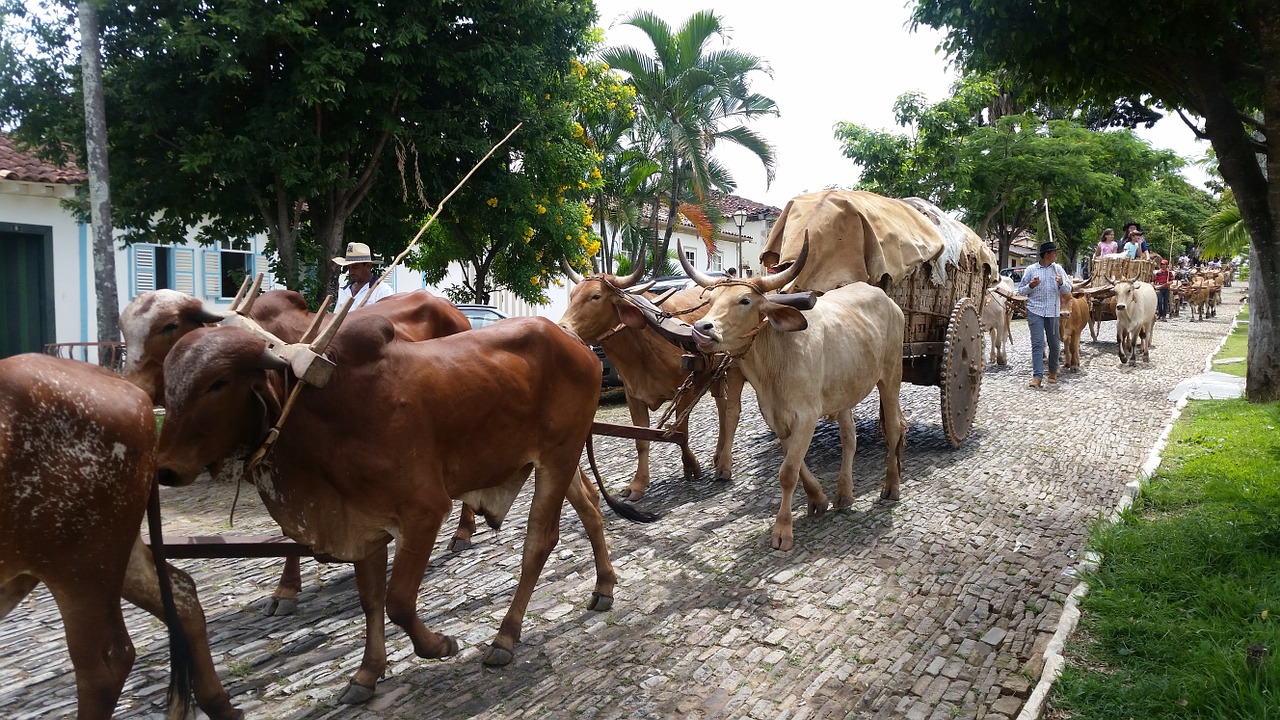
740, 218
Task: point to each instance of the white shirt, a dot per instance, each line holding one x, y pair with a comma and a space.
383, 290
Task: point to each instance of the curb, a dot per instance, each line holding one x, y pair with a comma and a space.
1053, 652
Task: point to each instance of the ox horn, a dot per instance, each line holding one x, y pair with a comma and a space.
314, 328
322, 343
698, 276
247, 306
628, 280
641, 289
569, 272
780, 280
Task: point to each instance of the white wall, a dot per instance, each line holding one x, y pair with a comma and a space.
37, 204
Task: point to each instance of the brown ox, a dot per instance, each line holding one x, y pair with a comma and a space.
851, 342
400, 431
77, 461
155, 320
650, 366
1071, 326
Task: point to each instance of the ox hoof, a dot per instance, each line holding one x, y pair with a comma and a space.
632, 495
458, 544
890, 495
724, 476
497, 656
843, 503
818, 509
600, 602
781, 542
356, 694
282, 606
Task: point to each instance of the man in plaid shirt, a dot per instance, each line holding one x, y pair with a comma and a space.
1043, 284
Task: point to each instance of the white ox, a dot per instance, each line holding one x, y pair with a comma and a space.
1135, 319
996, 315
851, 342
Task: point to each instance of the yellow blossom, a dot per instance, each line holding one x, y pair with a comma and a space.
577, 130
559, 220
492, 202
535, 280
586, 219
595, 173
582, 185
541, 209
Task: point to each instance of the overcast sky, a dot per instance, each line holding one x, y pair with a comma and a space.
831, 62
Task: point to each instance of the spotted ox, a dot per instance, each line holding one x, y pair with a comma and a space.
155, 320
805, 365
1135, 319
400, 431
77, 462
650, 366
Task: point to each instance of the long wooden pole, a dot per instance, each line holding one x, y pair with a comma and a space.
432, 219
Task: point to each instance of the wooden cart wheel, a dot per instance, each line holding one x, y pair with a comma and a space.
961, 374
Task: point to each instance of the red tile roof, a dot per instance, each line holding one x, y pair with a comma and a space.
730, 204
24, 166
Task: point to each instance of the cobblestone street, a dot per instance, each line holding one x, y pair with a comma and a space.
935, 607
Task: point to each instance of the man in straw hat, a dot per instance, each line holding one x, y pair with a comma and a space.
1043, 284
358, 263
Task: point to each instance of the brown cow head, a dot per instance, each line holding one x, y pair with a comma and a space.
595, 305
737, 308
151, 325
218, 400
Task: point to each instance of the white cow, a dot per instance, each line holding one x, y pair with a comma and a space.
804, 365
1135, 319
996, 315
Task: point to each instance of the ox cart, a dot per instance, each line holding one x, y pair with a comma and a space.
1101, 293
933, 267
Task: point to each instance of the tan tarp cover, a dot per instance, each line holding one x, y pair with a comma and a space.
857, 236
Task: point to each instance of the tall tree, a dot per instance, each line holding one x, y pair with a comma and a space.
692, 97
95, 132
236, 116
1218, 60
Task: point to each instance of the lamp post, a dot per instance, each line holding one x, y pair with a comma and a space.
740, 218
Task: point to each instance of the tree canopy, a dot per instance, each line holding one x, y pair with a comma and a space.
1215, 61
239, 117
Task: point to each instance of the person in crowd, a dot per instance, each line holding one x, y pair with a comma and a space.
1043, 284
358, 262
1133, 245
1161, 279
1107, 244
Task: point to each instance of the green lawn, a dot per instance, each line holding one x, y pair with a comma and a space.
1189, 580
1237, 346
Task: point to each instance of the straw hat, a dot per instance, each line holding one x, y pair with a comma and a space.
356, 253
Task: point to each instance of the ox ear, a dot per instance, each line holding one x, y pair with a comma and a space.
630, 315
785, 318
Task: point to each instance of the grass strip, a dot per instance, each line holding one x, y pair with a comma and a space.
1190, 579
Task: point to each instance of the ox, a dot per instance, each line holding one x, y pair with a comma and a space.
155, 320
1135, 319
649, 365
400, 431
851, 342
996, 316
1071, 327
1197, 294
77, 463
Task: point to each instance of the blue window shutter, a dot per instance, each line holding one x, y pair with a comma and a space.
144, 269
184, 270
211, 260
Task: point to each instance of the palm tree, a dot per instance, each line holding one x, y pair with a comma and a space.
1224, 234
691, 97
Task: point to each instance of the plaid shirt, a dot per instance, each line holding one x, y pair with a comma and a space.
1043, 299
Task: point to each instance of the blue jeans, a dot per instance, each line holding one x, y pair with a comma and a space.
1042, 328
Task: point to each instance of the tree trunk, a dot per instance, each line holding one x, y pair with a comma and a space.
95, 133
1259, 202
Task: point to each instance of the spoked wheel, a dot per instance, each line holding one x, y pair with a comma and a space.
961, 371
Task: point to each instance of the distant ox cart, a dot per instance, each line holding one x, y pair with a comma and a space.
1101, 291
935, 268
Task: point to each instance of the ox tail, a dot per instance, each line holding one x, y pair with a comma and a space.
630, 512
180, 695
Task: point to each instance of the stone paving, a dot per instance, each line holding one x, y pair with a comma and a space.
938, 606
